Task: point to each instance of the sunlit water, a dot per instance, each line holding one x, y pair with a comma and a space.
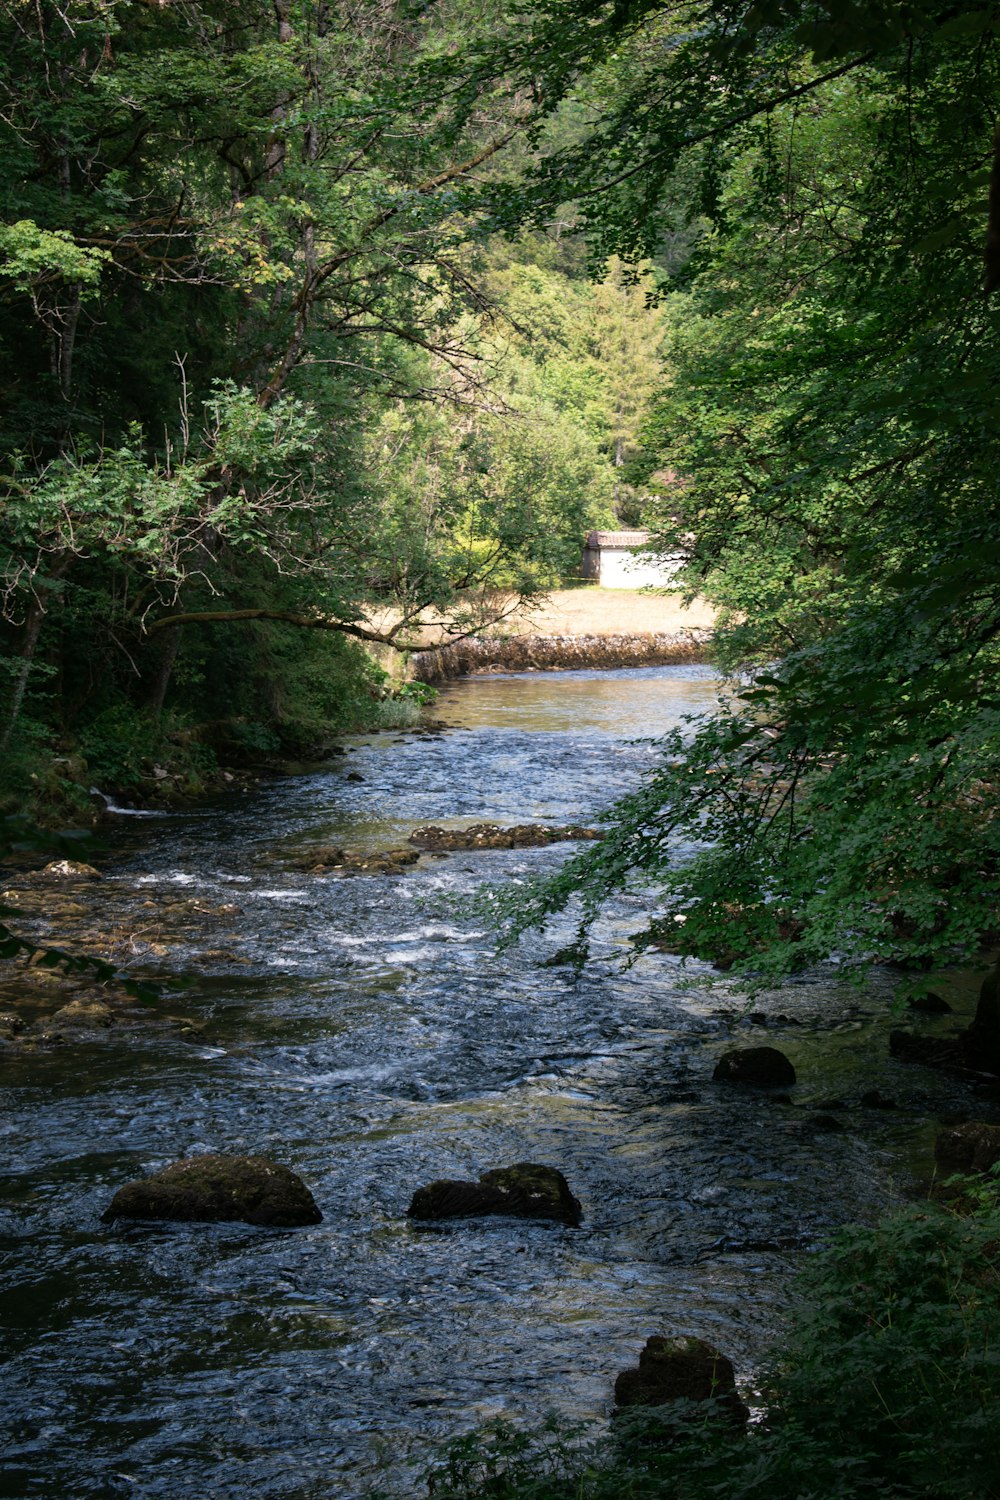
375, 1041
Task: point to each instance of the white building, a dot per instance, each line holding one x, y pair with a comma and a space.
612, 559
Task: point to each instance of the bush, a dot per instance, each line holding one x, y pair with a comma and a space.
885, 1384
122, 744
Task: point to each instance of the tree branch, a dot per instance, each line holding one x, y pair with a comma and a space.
287, 617
314, 282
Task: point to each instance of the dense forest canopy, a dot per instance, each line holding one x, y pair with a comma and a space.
311, 317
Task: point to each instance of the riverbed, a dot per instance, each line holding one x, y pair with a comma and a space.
365, 1032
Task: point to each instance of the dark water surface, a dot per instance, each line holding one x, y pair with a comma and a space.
371, 1039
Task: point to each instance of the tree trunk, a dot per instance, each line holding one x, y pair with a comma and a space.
991, 256
29, 644
164, 671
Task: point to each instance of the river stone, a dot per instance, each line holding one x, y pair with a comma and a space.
325, 859
69, 869
762, 1067
526, 1190
930, 1004
962, 1149
251, 1189
681, 1369
87, 1014
928, 1051
492, 836
981, 1042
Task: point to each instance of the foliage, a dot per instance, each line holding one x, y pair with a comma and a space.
232, 280
884, 1383
827, 425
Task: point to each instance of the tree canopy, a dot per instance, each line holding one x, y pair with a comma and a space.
251, 369
832, 412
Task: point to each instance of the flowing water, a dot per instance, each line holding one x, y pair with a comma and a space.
364, 1032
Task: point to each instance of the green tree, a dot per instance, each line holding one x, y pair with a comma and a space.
225, 229
831, 408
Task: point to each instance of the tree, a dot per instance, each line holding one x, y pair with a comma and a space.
233, 239
832, 411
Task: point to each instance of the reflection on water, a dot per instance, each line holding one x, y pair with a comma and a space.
370, 1038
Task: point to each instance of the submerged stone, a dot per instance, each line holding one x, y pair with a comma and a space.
527, 1190
250, 1189
760, 1067
681, 1369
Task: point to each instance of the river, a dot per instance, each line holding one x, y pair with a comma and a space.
364, 1032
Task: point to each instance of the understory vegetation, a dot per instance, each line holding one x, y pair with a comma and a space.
884, 1383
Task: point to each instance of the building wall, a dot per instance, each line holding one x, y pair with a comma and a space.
621, 568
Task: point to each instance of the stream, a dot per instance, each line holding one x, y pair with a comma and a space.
365, 1032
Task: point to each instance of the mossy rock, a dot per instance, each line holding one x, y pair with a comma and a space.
526, 1190
925, 1051
218, 1189
492, 836
681, 1369
760, 1067
930, 1004
89, 1015
981, 1042
325, 859
966, 1149
68, 869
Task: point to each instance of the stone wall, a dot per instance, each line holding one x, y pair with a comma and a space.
553, 652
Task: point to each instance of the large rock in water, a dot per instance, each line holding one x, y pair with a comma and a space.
491, 836
928, 1051
967, 1148
217, 1189
981, 1041
88, 1014
526, 1189
762, 1067
681, 1369
68, 869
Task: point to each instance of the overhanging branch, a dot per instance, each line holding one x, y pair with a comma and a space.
285, 617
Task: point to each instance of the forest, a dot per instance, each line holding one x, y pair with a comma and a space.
322, 322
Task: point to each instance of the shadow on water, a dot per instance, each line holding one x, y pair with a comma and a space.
364, 1032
